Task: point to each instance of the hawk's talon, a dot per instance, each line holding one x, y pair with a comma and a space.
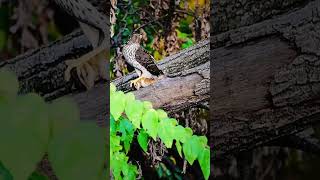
142, 82
136, 83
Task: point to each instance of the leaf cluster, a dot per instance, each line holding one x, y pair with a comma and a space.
130, 116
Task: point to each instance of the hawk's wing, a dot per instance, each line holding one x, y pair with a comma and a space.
147, 61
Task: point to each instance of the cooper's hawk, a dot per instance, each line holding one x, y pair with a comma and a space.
94, 21
143, 63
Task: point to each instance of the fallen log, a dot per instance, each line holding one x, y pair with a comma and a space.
186, 84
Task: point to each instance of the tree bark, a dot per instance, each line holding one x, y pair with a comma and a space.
42, 70
265, 80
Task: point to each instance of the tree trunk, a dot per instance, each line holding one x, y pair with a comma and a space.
265, 80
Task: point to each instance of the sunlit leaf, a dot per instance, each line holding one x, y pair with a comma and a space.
117, 104
150, 123
143, 140
179, 148
166, 134
134, 110
191, 149
204, 161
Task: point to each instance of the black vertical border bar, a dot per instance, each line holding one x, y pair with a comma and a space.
107, 88
211, 100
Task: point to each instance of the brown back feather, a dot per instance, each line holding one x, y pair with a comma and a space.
147, 61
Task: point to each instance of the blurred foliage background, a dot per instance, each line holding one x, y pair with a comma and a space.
26, 24
167, 26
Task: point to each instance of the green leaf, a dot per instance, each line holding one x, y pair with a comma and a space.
160, 171
127, 142
181, 134
63, 115
118, 105
79, 153
118, 164
187, 44
129, 20
127, 130
24, 127
162, 114
147, 105
130, 172
179, 148
188, 131
112, 88
37, 176
181, 35
204, 161
203, 140
113, 125
184, 25
8, 84
130, 97
115, 144
143, 140
134, 110
166, 132
191, 149
126, 32
150, 123
4, 173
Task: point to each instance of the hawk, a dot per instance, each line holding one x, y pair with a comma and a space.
143, 63
94, 22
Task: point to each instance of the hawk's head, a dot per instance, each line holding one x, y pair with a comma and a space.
135, 38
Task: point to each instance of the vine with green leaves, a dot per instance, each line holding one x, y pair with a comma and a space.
130, 116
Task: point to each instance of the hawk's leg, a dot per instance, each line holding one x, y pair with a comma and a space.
142, 82
90, 67
136, 82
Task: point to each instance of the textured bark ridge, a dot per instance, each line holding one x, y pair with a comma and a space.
265, 79
232, 14
42, 70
